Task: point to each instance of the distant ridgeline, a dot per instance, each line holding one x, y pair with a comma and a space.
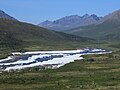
70, 22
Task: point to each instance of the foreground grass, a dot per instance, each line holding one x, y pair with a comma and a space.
96, 72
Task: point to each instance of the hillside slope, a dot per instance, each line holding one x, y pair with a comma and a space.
19, 36
107, 29
4, 16
14, 34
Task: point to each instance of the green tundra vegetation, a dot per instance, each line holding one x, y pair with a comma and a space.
19, 36
95, 72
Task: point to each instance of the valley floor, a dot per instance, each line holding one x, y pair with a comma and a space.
96, 72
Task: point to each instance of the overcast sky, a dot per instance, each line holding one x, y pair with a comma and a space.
36, 11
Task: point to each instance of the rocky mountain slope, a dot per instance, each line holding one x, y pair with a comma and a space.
108, 28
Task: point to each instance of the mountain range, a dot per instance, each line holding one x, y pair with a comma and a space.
70, 22
108, 28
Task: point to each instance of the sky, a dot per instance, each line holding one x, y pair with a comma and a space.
36, 11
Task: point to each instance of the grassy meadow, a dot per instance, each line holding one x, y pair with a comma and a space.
96, 72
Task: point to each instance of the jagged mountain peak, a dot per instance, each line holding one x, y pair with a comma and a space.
85, 16
95, 17
67, 20
71, 21
47, 22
